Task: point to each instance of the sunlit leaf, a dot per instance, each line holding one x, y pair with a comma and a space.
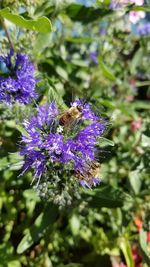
127, 252
79, 40
143, 247
14, 263
145, 8
102, 141
145, 142
106, 71
41, 24
135, 181
75, 224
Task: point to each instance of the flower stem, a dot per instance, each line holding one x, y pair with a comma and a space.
7, 33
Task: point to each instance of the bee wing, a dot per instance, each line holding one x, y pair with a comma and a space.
62, 113
72, 125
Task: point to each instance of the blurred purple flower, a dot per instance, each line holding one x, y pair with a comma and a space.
123, 3
18, 84
114, 5
45, 145
102, 31
144, 29
93, 57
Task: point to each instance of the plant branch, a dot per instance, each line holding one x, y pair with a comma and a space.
7, 33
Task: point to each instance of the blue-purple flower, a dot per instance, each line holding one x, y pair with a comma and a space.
114, 5
144, 29
49, 146
93, 57
18, 82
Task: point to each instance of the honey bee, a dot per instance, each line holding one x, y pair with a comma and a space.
70, 116
93, 171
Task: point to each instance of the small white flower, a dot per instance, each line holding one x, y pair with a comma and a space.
60, 129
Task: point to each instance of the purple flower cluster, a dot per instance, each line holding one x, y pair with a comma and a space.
47, 145
18, 83
144, 29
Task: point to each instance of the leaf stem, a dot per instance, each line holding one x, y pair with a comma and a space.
7, 33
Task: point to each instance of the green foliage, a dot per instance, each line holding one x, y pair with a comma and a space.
85, 14
145, 8
36, 231
143, 246
106, 72
42, 24
106, 197
126, 250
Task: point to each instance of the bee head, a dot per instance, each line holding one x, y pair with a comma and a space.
80, 109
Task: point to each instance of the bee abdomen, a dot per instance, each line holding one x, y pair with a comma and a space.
65, 119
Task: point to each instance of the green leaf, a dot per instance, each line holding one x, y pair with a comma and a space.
21, 129
15, 161
79, 40
3, 163
86, 14
41, 24
142, 83
141, 105
135, 61
38, 229
16, 166
103, 2
78, 62
127, 252
143, 246
31, 198
62, 73
107, 103
106, 71
102, 141
135, 181
11, 124
30, 194
42, 41
145, 8
106, 196
145, 142
14, 263
75, 224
